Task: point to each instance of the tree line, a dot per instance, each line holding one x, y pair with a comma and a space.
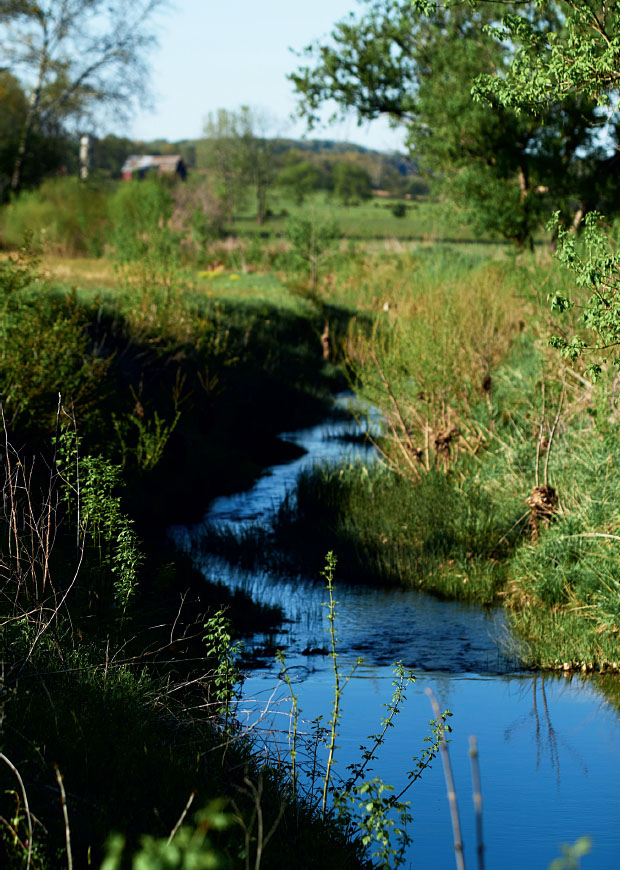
507, 161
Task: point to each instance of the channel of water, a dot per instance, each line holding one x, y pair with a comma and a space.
549, 746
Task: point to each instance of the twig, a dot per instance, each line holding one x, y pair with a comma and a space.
181, 818
65, 814
10, 765
450, 789
514, 525
477, 795
555, 426
540, 434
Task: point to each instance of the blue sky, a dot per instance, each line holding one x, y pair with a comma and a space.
227, 53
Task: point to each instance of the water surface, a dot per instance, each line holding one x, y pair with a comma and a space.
549, 746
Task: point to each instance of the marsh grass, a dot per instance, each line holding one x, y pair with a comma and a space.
434, 536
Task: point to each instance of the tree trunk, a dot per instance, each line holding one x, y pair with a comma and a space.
522, 183
16, 175
261, 199
33, 105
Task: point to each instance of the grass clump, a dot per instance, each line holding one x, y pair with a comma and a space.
434, 535
564, 593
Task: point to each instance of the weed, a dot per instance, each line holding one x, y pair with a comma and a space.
227, 676
369, 809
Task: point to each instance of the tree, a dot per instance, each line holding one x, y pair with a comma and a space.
299, 179
351, 183
75, 56
13, 107
49, 147
550, 68
312, 244
506, 167
238, 157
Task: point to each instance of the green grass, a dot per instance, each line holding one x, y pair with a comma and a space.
425, 220
435, 536
122, 702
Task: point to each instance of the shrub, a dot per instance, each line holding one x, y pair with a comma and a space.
67, 215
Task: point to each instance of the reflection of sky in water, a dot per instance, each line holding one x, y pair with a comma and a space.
550, 756
549, 765
322, 444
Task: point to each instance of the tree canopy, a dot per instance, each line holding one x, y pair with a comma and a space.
73, 57
507, 164
238, 155
583, 60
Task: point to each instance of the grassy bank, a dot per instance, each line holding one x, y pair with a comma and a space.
113, 680
498, 475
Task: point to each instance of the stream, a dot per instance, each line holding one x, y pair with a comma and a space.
549, 745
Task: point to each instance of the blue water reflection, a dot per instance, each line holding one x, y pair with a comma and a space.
549, 747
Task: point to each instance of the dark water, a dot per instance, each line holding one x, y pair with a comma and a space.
549, 747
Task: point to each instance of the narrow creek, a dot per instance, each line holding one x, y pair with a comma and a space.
549, 745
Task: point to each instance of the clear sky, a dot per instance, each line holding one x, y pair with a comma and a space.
226, 53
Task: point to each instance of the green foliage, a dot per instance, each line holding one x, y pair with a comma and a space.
127, 561
377, 815
427, 362
238, 156
571, 855
189, 849
44, 349
91, 486
299, 179
153, 433
74, 58
67, 217
368, 808
390, 531
577, 62
312, 242
147, 251
378, 828
551, 65
328, 573
416, 63
594, 264
351, 183
139, 212
227, 675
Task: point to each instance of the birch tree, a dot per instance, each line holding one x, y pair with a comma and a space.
75, 57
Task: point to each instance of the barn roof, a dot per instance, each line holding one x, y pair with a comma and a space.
139, 162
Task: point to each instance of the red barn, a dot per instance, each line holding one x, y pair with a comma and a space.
139, 165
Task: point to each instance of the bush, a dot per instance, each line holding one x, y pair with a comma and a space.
68, 216
139, 214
